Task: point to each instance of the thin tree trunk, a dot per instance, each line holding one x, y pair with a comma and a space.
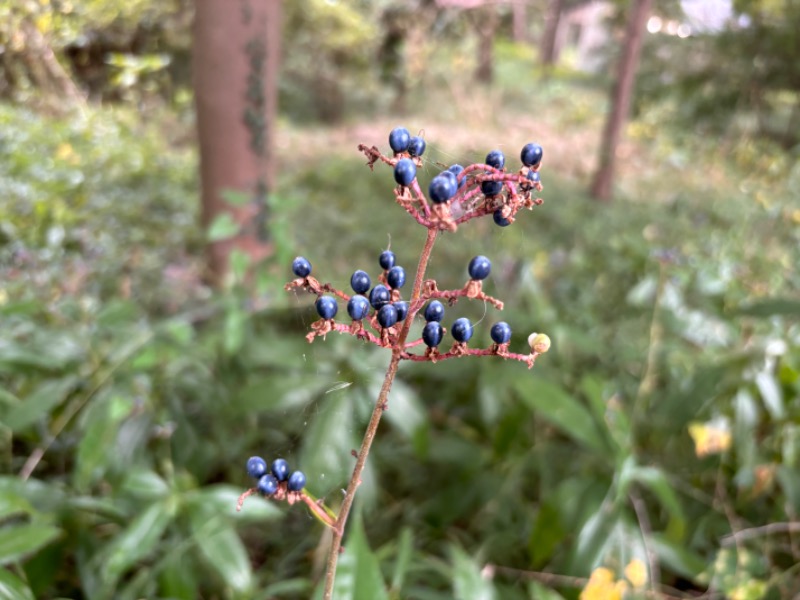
486, 26
620, 99
519, 17
236, 59
547, 49
44, 70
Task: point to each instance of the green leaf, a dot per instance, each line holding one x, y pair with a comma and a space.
222, 499
13, 588
17, 541
771, 307
771, 394
539, 592
468, 582
406, 412
405, 548
329, 438
677, 557
236, 198
359, 574
562, 410
177, 577
223, 551
546, 534
656, 481
222, 227
39, 403
145, 484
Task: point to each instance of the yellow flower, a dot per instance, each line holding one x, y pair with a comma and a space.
710, 438
602, 586
636, 573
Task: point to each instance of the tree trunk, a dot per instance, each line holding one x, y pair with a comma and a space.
519, 21
486, 26
236, 59
547, 49
620, 99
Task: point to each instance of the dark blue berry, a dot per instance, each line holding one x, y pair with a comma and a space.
256, 467
462, 329
386, 260
479, 267
434, 311
501, 332
405, 171
432, 334
297, 481
499, 219
402, 309
326, 307
534, 176
416, 146
379, 296
442, 188
301, 267
496, 159
387, 315
491, 188
267, 485
399, 138
457, 170
360, 282
396, 277
358, 307
280, 468
531, 155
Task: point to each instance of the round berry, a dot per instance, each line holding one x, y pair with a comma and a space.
297, 481
531, 155
457, 170
432, 334
326, 307
387, 315
496, 159
501, 332
280, 468
534, 176
386, 260
379, 296
416, 146
442, 188
399, 138
462, 329
405, 171
301, 267
434, 311
360, 282
491, 188
402, 309
267, 485
479, 267
499, 219
256, 467
358, 307
396, 277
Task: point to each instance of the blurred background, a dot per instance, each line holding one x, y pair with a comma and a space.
161, 164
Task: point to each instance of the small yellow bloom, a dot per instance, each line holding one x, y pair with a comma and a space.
636, 573
602, 586
710, 438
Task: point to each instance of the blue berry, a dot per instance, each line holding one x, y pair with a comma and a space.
386, 260
457, 170
442, 188
534, 176
434, 311
256, 467
405, 171
297, 481
379, 296
491, 188
267, 485
432, 334
399, 138
479, 267
326, 307
496, 159
280, 468
402, 309
416, 146
499, 219
396, 277
358, 307
462, 329
360, 282
301, 267
531, 155
387, 315
501, 332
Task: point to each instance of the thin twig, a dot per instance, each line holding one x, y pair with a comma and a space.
755, 532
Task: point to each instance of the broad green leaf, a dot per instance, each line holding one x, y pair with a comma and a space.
222, 499
236, 321
771, 394
359, 574
405, 548
656, 481
552, 403
99, 435
328, 440
39, 403
677, 557
223, 551
145, 485
547, 533
177, 577
771, 307
13, 588
12, 503
405, 410
7, 400
222, 227
17, 541
468, 581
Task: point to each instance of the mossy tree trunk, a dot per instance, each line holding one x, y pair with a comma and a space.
236, 59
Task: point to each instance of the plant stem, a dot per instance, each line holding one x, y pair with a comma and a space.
372, 428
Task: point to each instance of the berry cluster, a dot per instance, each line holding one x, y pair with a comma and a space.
276, 481
459, 194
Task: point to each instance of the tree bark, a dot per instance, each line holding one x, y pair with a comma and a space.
547, 49
235, 64
620, 99
486, 25
519, 17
